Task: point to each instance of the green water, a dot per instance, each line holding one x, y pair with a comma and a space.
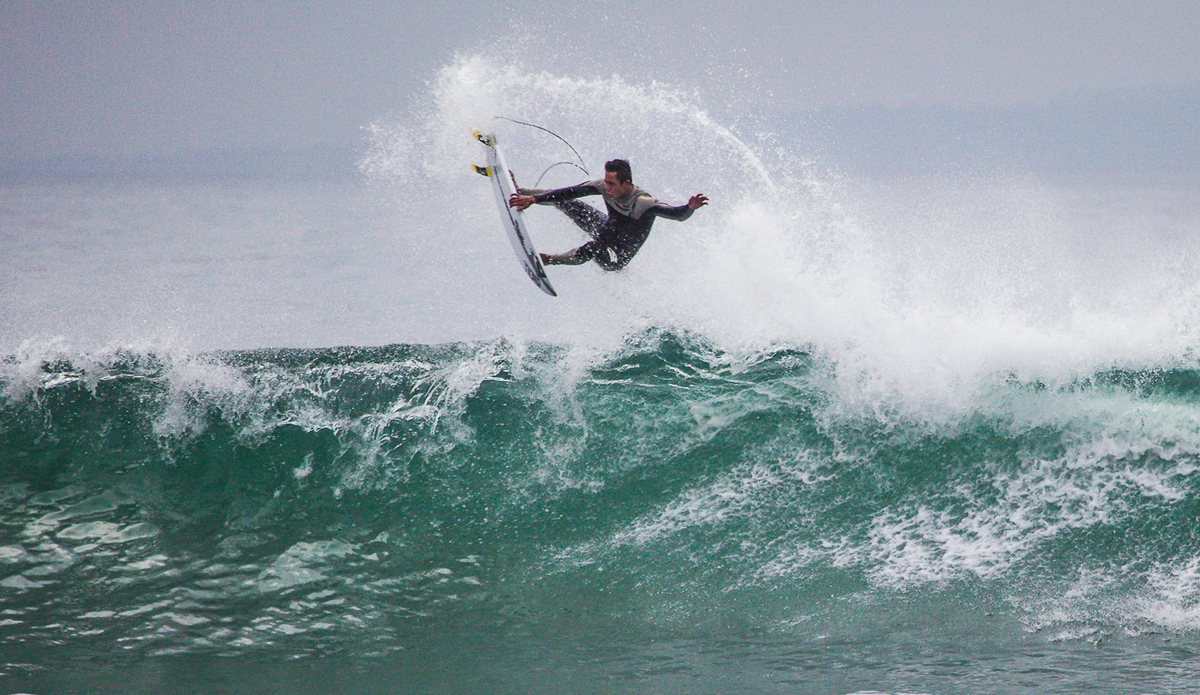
663, 517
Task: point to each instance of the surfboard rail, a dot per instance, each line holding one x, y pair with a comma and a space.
514, 222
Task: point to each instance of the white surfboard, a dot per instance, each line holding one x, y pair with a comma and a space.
514, 222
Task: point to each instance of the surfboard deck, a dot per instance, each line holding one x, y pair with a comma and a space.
514, 222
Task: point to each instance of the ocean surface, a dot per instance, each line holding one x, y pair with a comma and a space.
836, 434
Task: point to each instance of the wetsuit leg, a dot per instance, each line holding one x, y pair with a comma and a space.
587, 217
608, 259
605, 257
593, 222
578, 256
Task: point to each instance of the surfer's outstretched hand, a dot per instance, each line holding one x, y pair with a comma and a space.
520, 202
697, 201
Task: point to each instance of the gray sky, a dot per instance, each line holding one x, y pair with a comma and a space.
144, 79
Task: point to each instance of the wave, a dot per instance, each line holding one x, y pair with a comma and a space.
245, 493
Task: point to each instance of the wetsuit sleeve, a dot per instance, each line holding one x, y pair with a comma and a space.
568, 193
678, 213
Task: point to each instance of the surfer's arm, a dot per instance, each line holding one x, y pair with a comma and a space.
569, 193
526, 197
679, 213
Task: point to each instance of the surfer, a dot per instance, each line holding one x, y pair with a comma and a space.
617, 237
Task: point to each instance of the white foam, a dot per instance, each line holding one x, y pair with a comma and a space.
1172, 597
1094, 483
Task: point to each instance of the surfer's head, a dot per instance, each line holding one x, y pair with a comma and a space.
618, 179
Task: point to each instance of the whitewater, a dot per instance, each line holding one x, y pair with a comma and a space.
834, 434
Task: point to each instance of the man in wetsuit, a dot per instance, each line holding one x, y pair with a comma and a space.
617, 237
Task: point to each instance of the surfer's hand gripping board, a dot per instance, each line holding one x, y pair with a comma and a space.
505, 186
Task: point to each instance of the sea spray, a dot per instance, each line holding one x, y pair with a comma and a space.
922, 292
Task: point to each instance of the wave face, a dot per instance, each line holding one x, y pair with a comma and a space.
488, 506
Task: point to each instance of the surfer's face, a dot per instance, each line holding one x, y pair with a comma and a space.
614, 188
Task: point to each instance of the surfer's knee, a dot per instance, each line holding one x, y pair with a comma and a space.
608, 259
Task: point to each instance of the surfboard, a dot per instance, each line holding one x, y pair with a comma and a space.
514, 222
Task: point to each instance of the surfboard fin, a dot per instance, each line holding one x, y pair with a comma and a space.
483, 171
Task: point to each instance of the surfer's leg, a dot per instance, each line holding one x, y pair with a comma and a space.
605, 257
578, 256
608, 259
587, 217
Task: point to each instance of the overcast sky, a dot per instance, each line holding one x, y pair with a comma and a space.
136, 78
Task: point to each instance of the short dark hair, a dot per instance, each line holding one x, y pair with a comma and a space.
620, 167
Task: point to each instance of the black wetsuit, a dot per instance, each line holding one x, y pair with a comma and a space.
617, 237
